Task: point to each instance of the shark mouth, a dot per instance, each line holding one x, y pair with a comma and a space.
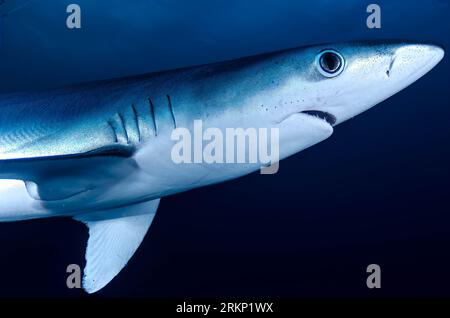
329, 118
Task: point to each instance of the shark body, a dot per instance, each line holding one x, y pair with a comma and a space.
101, 152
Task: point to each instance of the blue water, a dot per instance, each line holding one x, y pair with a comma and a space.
376, 192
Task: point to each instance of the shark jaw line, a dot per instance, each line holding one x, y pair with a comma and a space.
329, 118
326, 117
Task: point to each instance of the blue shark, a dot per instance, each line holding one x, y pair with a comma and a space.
100, 152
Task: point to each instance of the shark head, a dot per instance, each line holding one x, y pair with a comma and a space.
338, 82
346, 80
308, 91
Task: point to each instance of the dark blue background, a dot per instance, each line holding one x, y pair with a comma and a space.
376, 192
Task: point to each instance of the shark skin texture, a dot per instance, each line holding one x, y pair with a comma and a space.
100, 152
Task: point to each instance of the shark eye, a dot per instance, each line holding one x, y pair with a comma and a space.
330, 63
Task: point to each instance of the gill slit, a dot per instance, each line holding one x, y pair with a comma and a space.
122, 121
116, 139
171, 111
136, 119
152, 113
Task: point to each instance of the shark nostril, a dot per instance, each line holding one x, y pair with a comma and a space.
391, 65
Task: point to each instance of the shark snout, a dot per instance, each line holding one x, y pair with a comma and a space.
411, 61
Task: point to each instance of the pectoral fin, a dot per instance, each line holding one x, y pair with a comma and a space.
114, 236
63, 177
